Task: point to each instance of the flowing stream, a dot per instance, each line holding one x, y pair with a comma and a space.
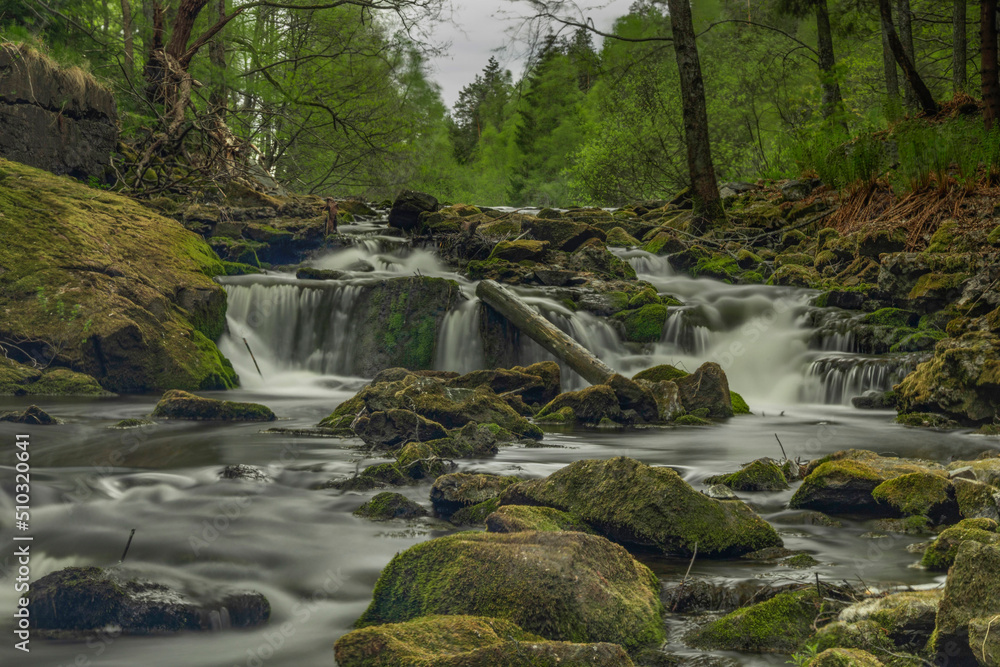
316, 563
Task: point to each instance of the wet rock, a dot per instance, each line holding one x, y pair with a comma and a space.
661, 373
844, 657
941, 553
696, 595
593, 257
844, 481
386, 506
516, 251
244, 472
177, 404
310, 273
875, 400
707, 387
667, 397
32, 415
124, 424
864, 635
520, 518
720, 492
779, 625
537, 383
91, 598
735, 188
972, 591
906, 618
588, 406
557, 277
633, 503
920, 494
976, 499
467, 641
796, 190
632, 395
406, 209
962, 381
394, 427
563, 235
760, 475
620, 238
453, 492
591, 590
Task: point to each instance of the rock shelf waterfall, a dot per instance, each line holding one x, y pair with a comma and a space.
764, 337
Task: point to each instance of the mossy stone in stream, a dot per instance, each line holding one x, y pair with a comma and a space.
565, 586
660, 373
740, 406
906, 619
520, 518
22, 380
865, 635
588, 405
759, 475
32, 415
892, 317
466, 641
977, 499
844, 657
920, 494
706, 388
633, 503
664, 242
392, 428
779, 625
456, 491
691, 420
386, 506
972, 591
177, 404
621, 238
643, 325
940, 555
132, 423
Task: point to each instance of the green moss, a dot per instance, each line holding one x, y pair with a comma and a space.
645, 297
619, 237
941, 553
691, 420
759, 475
520, 518
936, 285
466, 641
793, 259
993, 238
588, 588
800, 561
664, 243
177, 404
944, 238
132, 423
21, 380
475, 515
104, 279
914, 494
925, 420
564, 415
779, 625
794, 276
865, 634
644, 325
660, 373
722, 267
387, 505
892, 317
747, 259
740, 406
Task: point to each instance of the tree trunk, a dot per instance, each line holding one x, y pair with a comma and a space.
704, 186
832, 100
889, 66
924, 96
127, 35
543, 332
988, 67
218, 98
960, 47
905, 19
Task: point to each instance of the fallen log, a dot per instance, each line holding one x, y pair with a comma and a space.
543, 332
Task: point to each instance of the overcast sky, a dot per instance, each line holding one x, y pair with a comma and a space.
479, 27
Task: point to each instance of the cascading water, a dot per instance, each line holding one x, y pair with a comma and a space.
763, 337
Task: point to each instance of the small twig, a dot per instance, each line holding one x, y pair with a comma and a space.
253, 357
127, 545
784, 456
684, 580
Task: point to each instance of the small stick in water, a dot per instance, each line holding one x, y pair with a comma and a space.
253, 357
127, 545
783, 455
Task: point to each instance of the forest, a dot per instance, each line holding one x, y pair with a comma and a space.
335, 98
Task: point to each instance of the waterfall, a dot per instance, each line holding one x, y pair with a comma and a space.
839, 379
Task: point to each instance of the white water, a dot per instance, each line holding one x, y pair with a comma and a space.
301, 331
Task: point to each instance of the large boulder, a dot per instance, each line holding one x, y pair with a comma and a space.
455, 491
962, 381
635, 396
706, 388
562, 234
177, 404
32, 415
467, 641
24, 380
537, 383
564, 586
406, 209
940, 554
392, 428
85, 599
972, 591
386, 506
906, 618
760, 475
637, 504
587, 406
104, 286
843, 482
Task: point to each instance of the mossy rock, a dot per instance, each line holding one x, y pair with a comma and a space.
660, 373
844, 657
892, 317
466, 641
177, 404
475, 515
906, 619
588, 406
864, 635
925, 420
792, 275
722, 267
940, 555
972, 591
747, 259
520, 518
392, 428
779, 625
562, 234
977, 499
759, 475
993, 238
691, 420
621, 238
132, 423
740, 406
583, 588
563, 415
793, 259
633, 503
920, 494
945, 236
645, 324
706, 389
664, 242
23, 380
985, 640
844, 481
459, 490
115, 290
386, 506
516, 251
32, 415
